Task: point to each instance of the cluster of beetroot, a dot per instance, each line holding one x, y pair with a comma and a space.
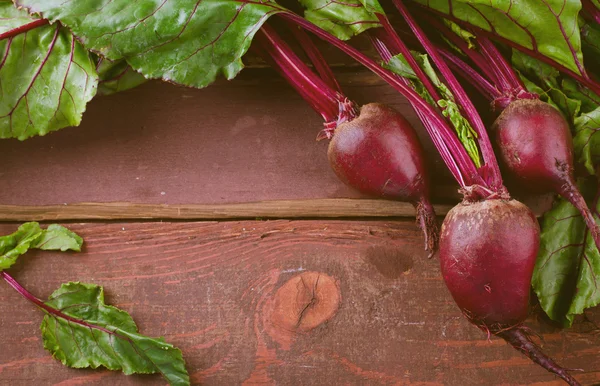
488, 243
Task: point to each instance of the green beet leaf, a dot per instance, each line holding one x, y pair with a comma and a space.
46, 77
31, 236
342, 19
590, 36
586, 141
98, 335
11, 17
548, 27
188, 42
116, 76
567, 271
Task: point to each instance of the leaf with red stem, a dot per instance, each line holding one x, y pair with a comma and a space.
12, 18
190, 42
46, 76
548, 27
81, 331
341, 18
567, 273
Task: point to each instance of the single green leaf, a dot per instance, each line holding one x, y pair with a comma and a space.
466, 134
342, 19
189, 42
548, 27
57, 237
465, 35
31, 236
103, 335
46, 80
568, 265
547, 82
586, 142
116, 76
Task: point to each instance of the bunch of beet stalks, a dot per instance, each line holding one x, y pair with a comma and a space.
489, 242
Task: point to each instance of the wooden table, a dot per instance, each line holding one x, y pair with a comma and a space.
213, 217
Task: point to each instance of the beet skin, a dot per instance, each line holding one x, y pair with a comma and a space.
488, 251
379, 153
535, 144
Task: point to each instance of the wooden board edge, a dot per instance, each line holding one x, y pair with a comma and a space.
313, 208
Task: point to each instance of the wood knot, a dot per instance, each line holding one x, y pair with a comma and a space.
301, 304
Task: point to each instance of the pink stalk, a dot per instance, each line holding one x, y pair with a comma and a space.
582, 77
487, 153
22, 29
313, 89
471, 75
489, 71
315, 57
393, 40
380, 45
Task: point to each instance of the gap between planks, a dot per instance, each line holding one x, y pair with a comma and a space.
313, 208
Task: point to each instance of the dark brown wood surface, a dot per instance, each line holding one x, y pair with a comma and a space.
231, 296
241, 141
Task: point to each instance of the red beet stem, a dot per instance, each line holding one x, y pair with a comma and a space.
24, 28
380, 41
471, 75
491, 168
315, 57
427, 221
518, 338
570, 192
327, 101
391, 39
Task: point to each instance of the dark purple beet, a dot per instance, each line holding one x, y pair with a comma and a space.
535, 145
487, 253
379, 154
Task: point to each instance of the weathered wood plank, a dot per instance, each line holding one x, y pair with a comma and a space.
228, 294
248, 140
317, 208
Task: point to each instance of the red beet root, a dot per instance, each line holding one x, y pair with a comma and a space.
488, 251
379, 153
536, 146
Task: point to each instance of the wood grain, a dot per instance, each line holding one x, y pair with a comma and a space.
224, 293
251, 139
317, 208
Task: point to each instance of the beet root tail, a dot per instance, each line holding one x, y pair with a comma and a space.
572, 194
519, 339
427, 221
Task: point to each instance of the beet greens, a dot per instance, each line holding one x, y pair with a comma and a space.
79, 338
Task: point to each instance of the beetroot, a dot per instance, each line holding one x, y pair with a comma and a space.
535, 144
379, 154
487, 252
